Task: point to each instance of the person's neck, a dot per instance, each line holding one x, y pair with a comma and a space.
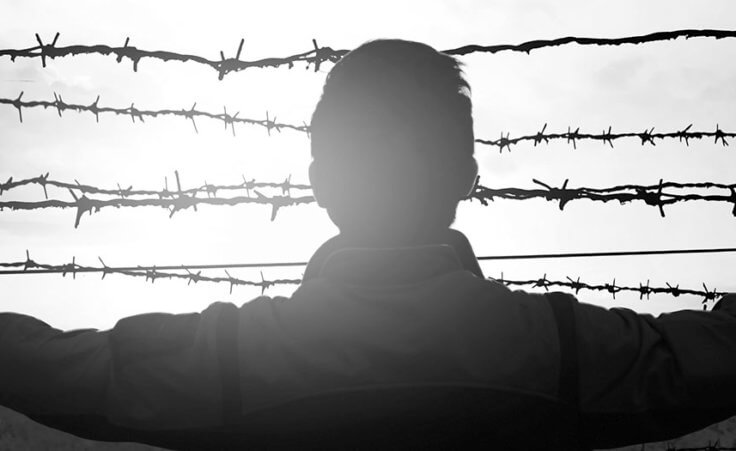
396, 238
446, 236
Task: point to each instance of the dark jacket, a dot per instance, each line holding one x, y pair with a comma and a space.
373, 338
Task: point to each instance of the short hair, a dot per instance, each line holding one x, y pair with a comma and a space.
394, 131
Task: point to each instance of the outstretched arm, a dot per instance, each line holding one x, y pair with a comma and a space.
150, 371
45, 371
648, 379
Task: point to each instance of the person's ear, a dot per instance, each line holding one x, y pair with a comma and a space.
316, 179
468, 179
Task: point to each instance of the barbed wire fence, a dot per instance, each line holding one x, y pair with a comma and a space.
659, 195
182, 199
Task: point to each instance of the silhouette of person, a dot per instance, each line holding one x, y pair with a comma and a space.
395, 338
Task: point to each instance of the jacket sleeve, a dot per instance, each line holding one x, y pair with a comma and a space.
46, 371
648, 379
166, 368
150, 371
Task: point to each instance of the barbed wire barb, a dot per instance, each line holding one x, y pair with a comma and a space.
720, 134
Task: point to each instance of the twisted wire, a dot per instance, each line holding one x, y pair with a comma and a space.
182, 199
207, 188
317, 55
643, 290
269, 123
648, 136
505, 141
151, 273
653, 195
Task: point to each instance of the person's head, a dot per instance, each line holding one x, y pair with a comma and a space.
392, 141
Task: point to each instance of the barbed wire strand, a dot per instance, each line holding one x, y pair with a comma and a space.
207, 188
648, 136
30, 266
269, 123
313, 57
173, 201
643, 289
286, 186
182, 199
651, 195
85, 204
318, 55
607, 137
151, 273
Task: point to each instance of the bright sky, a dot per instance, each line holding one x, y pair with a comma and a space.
666, 85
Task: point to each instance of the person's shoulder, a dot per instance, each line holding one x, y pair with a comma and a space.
726, 303
263, 301
498, 290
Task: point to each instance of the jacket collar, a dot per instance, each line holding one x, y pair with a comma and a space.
338, 259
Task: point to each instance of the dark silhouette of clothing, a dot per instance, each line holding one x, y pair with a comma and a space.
382, 335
